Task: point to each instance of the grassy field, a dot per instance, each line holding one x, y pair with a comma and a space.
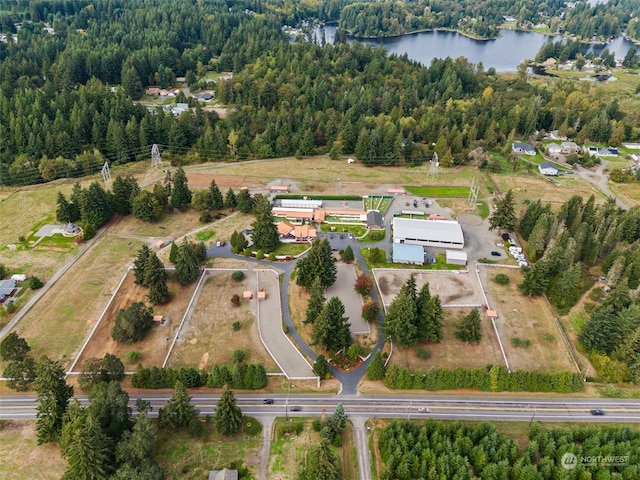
58, 324
154, 347
438, 191
184, 457
288, 450
525, 318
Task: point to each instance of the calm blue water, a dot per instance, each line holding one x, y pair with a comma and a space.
504, 53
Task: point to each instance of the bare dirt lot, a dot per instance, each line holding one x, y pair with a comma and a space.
453, 288
224, 182
155, 345
526, 318
207, 338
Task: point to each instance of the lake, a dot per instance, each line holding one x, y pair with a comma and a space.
504, 53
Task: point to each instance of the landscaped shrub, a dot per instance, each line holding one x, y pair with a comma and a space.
236, 326
254, 376
238, 275
502, 279
35, 283
519, 342
235, 299
422, 353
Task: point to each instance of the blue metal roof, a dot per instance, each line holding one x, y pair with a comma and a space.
406, 253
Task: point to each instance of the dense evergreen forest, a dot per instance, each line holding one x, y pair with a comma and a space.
66, 98
453, 450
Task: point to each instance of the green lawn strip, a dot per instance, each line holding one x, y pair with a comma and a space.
438, 191
441, 263
292, 249
358, 230
205, 235
373, 236
483, 209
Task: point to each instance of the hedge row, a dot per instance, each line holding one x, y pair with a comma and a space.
293, 196
495, 379
241, 376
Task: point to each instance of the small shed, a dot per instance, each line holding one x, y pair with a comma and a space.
18, 277
407, 253
247, 295
492, 314
279, 188
159, 243
262, 295
158, 319
456, 257
397, 191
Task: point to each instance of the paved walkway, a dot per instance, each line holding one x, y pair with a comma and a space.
352, 300
265, 450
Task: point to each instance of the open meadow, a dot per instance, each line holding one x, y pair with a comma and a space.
529, 319
58, 324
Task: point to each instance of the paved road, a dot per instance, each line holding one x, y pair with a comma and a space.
600, 180
283, 351
387, 406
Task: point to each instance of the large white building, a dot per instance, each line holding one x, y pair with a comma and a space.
430, 233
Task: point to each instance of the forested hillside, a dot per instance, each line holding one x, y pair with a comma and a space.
67, 99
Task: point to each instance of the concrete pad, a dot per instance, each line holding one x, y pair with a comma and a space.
48, 230
352, 300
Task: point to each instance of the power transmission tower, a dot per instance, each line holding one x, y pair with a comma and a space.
106, 175
435, 164
473, 192
156, 160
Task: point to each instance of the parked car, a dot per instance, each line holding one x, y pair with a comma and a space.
220, 244
415, 204
268, 401
495, 254
499, 244
341, 237
597, 412
295, 408
424, 410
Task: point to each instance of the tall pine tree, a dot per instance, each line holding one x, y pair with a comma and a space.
228, 414
180, 195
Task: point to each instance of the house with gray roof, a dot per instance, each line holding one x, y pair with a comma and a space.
525, 148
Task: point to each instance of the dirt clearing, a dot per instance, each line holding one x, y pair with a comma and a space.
454, 288
153, 348
451, 352
224, 182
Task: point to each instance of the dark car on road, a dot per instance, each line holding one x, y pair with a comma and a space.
596, 412
295, 408
495, 254
268, 401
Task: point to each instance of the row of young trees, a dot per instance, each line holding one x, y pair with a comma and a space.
240, 376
